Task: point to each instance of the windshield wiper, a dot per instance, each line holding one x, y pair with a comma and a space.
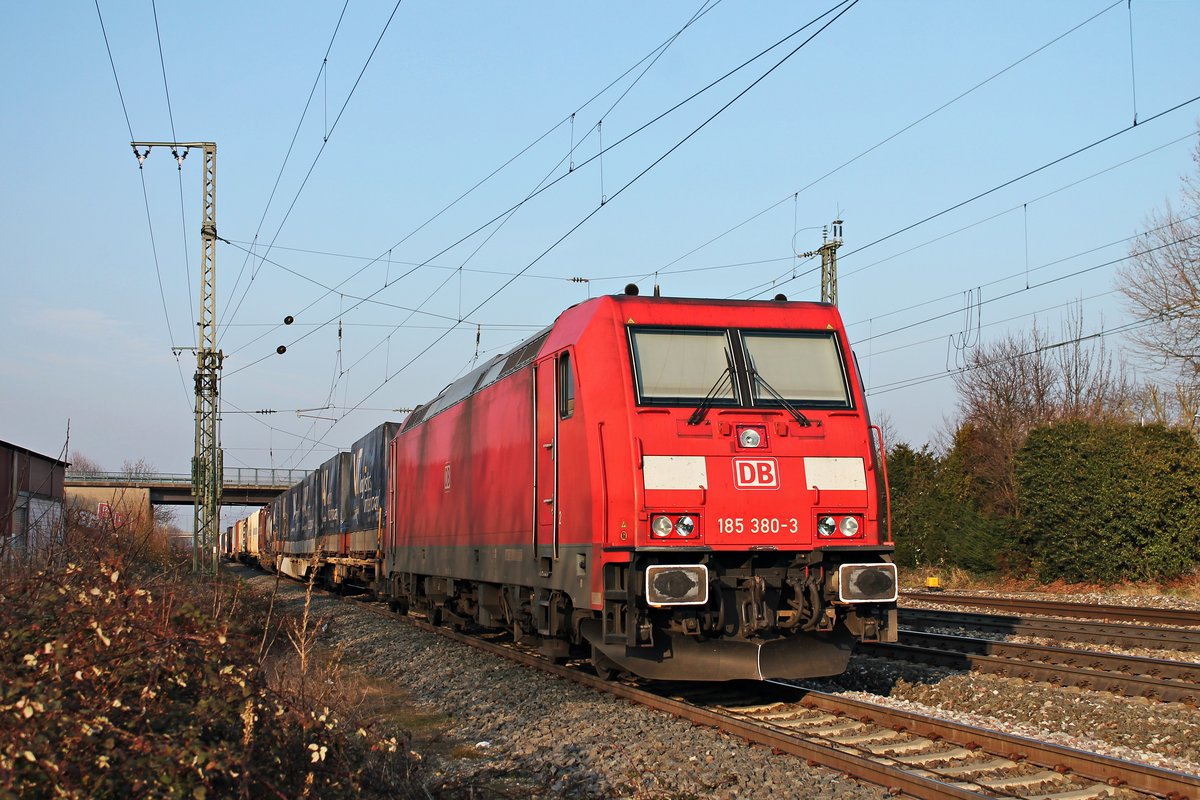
791, 409
701, 410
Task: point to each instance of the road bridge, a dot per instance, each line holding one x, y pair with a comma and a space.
241, 486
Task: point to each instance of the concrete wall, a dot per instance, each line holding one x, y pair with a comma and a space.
119, 508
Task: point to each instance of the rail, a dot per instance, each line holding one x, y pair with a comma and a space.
1049, 608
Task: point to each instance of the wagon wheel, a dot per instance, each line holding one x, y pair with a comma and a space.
605, 667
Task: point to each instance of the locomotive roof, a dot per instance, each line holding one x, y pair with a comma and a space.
487, 373
502, 365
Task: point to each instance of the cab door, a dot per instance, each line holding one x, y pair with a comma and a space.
545, 459
554, 401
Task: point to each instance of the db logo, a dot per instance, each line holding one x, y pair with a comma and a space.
756, 473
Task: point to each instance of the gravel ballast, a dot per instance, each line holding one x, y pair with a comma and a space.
521, 732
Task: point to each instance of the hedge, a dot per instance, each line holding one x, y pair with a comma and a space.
1108, 502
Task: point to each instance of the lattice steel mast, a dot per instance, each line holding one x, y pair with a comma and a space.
828, 253
207, 462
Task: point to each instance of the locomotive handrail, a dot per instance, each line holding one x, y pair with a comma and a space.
887, 487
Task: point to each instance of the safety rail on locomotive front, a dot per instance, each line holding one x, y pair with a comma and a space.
837, 591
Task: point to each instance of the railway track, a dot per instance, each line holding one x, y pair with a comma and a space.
911, 754
1158, 616
1075, 631
1131, 676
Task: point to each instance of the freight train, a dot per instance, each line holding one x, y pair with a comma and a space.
677, 488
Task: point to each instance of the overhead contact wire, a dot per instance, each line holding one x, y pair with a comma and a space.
548, 186
291, 145
321, 150
508, 212
187, 261
848, 5
146, 199
903, 130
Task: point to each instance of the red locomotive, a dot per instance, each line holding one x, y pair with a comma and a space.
683, 489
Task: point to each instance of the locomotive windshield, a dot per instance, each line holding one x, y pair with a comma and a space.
684, 366
800, 368
681, 365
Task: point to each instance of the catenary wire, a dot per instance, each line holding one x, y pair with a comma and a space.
992, 190
933, 376
187, 261
146, 199
889, 138
320, 151
1023, 315
1047, 282
1023, 272
840, 9
1030, 173
776, 282
652, 54
1016, 207
594, 157
287, 156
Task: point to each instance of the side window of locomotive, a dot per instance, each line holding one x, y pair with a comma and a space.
566, 387
681, 366
805, 368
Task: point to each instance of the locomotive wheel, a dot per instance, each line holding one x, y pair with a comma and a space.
605, 667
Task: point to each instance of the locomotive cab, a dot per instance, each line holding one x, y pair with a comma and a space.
758, 547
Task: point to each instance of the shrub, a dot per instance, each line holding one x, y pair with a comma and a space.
1108, 502
113, 684
934, 520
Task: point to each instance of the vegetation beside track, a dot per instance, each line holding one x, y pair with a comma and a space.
122, 675
1098, 502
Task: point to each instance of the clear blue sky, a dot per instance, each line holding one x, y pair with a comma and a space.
452, 92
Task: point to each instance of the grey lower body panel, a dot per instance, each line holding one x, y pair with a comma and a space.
512, 565
680, 657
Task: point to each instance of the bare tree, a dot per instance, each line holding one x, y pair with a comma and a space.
82, 465
1172, 406
1024, 380
1089, 383
162, 516
1162, 283
1003, 393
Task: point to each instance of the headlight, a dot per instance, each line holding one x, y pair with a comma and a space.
849, 526
749, 438
661, 527
686, 526
867, 583
677, 585
826, 526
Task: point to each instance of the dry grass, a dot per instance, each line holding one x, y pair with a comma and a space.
122, 675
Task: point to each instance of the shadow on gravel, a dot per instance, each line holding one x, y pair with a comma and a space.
875, 675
